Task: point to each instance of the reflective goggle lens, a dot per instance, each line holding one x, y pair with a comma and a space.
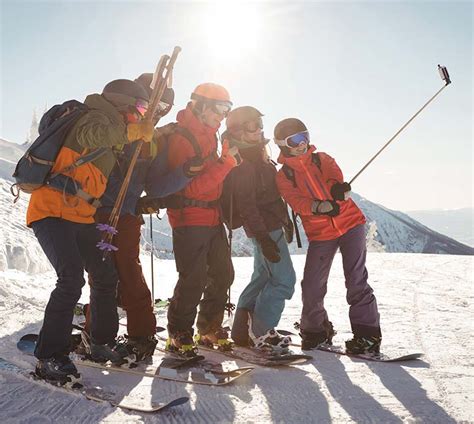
163, 106
253, 126
221, 108
297, 139
141, 106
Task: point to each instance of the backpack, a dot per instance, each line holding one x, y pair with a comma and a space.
33, 170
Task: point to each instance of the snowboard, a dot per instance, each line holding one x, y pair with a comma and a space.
94, 393
375, 357
153, 368
254, 356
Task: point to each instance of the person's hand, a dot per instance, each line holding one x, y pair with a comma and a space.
325, 207
142, 130
165, 129
193, 166
269, 247
231, 154
340, 191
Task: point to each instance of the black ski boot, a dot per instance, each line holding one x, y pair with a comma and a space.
141, 347
310, 340
59, 370
359, 344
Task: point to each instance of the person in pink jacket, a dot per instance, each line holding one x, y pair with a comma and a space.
313, 185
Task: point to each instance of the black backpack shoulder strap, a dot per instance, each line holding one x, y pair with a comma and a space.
316, 160
289, 173
188, 135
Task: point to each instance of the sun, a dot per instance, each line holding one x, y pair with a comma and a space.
232, 27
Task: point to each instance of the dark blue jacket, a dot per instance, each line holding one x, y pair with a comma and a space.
149, 174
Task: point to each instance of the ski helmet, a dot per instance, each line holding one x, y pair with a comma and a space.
210, 92
124, 94
287, 127
145, 81
238, 117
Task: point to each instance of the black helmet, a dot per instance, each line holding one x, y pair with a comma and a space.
287, 127
124, 92
145, 81
238, 117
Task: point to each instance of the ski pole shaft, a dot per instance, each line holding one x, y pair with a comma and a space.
445, 76
152, 258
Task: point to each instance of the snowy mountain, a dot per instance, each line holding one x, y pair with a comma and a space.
455, 223
9, 155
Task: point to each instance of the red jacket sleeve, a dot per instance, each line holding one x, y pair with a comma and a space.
299, 202
214, 173
330, 170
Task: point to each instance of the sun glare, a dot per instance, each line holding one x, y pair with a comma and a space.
233, 27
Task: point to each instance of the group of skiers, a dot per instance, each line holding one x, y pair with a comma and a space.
180, 169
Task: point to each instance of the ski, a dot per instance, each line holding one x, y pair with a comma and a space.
375, 357
155, 369
93, 393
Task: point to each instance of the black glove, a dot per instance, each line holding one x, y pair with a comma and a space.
325, 207
149, 205
193, 166
339, 190
269, 247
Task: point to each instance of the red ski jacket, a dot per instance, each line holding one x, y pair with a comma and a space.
207, 186
314, 182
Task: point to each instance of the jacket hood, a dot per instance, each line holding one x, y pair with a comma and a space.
294, 161
186, 118
97, 101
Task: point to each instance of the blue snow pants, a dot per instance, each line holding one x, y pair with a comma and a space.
71, 249
363, 311
271, 283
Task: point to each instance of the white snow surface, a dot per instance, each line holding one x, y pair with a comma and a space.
425, 304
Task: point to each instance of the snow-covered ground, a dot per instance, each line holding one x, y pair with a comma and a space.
425, 304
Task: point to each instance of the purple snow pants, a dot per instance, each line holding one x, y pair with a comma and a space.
363, 312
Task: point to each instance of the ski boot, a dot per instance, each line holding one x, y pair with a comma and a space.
272, 342
58, 370
182, 344
218, 338
142, 347
310, 340
359, 344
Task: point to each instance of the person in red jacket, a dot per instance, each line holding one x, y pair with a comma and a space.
313, 185
200, 244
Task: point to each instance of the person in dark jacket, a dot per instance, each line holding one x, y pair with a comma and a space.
150, 174
64, 226
259, 206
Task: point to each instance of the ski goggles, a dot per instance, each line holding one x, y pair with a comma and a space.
141, 106
221, 108
252, 126
294, 140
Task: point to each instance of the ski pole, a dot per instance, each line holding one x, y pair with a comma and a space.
443, 72
152, 259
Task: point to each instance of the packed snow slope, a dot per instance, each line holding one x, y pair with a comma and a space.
425, 304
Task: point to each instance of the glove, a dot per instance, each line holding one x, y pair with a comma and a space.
149, 205
165, 129
231, 154
340, 191
142, 130
269, 247
325, 207
193, 166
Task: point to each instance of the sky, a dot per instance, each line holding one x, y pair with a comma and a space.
354, 72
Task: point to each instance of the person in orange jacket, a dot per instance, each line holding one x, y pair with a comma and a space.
61, 214
313, 185
200, 245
